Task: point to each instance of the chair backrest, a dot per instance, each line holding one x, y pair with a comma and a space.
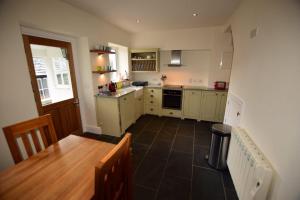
31, 132
113, 175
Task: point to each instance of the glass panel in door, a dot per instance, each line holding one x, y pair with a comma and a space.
52, 73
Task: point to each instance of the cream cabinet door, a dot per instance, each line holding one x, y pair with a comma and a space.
221, 105
209, 105
139, 107
152, 101
127, 111
108, 116
192, 104
123, 113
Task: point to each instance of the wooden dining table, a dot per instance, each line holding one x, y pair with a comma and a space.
64, 170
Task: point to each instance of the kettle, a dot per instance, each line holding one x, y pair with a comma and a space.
112, 87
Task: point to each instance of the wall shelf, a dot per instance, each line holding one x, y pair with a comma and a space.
145, 60
102, 51
103, 72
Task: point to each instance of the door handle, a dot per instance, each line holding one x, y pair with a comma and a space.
76, 101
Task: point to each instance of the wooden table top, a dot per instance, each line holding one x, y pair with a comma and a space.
64, 170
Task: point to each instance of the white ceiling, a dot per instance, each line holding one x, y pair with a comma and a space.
159, 14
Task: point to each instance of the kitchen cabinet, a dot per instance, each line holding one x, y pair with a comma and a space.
152, 101
139, 107
127, 111
108, 117
115, 115
171, 113
213, 105
192, 104
221, 106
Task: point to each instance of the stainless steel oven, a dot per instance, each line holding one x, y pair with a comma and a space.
172, 97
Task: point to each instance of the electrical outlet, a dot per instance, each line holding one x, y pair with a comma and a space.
253, 33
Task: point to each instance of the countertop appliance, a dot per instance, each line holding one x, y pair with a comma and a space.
172, 97
112, 87
140, 83
220, 85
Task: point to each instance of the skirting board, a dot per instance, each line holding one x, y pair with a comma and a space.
93, 129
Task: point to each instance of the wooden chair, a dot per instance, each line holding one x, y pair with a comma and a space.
22, 130
113, 176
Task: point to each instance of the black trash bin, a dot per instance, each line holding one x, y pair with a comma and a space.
219, 146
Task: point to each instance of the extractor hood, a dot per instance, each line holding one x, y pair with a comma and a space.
175, 58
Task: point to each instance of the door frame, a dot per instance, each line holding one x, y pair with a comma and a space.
29, 39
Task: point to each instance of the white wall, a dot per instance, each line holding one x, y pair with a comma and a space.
17, 101
265, 75
194, 71
207, 42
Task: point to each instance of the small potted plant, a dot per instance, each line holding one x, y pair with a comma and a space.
163, 78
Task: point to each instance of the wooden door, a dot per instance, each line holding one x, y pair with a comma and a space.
192, 104
51, 68
209, 104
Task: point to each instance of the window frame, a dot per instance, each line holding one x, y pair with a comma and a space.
61, 73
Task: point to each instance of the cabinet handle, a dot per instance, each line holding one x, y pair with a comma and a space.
151, 95
171, 113
152, 90
216, 94
151, 101
125, 99
151, 109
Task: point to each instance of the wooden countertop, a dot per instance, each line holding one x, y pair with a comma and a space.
64, 170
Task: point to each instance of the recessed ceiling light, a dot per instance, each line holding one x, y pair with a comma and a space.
138, 21
195, 14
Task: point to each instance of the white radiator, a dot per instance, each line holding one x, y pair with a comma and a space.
250, 171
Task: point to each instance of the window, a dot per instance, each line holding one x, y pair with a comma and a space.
41, 77
61, 71
113, 61
39, 66
43, 88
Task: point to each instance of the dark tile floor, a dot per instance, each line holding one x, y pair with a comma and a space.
169, 161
